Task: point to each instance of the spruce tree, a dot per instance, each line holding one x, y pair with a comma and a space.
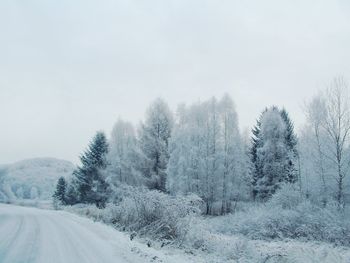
291, 142
89, 179
60, 193
71, 195
273, 152
256, 170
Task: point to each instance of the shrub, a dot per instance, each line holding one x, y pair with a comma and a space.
150, 213
306, 222
155, 213
226, 248
287, 197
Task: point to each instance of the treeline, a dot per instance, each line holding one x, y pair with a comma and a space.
200, 150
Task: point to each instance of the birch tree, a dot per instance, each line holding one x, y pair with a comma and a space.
315, 145
123, 156
337, 125
206, 154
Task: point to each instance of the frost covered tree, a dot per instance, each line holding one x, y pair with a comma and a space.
232, 154
71, 194
154, 136
291, 143
212, 150
273, 153
314, 147
34, 193
256, 169
89, 178
124, 156
206, 154
59, 195
186, 166
326, 136
337, 126
20, 193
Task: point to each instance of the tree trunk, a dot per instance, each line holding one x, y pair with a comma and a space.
340, 195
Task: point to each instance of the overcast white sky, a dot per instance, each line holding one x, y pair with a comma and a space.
69, 68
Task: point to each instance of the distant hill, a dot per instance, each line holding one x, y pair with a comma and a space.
32, 178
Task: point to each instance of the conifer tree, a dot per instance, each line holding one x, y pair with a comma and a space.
273, 152
89, 178
291, 142
256, 169
155, 134
71, 194
60, 192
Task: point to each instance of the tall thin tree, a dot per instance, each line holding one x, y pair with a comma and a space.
337, 126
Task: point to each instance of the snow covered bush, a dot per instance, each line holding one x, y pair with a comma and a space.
150, 213
287, 197
88, 210
305, 222
229, 248
155, 213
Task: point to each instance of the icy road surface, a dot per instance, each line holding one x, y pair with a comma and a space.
43, 236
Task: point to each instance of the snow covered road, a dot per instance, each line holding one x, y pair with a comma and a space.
43, 236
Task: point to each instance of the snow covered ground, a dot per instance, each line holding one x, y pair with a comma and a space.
31, 235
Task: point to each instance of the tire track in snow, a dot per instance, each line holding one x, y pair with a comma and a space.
92, 240
59, 242
24, 241
10, 232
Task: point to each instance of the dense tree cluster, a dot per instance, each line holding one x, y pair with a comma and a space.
206, 155
200, 150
